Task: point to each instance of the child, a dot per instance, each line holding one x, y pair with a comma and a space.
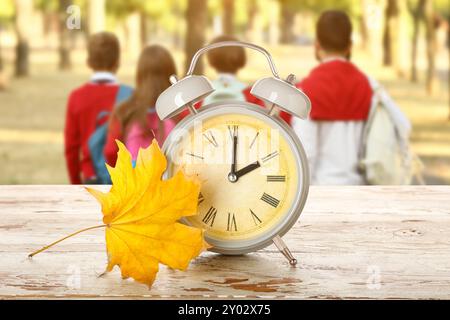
341, 96
135, 121
87, 102
227, 62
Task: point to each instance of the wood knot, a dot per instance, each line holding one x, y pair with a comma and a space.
407, 233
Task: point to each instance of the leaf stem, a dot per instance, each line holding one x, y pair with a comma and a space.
58, 241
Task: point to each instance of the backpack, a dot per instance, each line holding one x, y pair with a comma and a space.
385, 156
226, 88
97, 140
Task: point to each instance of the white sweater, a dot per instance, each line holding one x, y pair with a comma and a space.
332, 149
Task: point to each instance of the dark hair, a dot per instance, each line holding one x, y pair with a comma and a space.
103, 51
227, 59
154, 67
334, 31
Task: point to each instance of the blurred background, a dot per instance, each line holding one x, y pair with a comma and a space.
403, 43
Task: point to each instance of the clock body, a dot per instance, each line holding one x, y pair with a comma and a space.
244, 212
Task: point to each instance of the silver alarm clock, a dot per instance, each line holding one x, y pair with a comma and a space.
252, 167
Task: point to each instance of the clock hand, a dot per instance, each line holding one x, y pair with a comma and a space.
247, 169
234, 136
233, 163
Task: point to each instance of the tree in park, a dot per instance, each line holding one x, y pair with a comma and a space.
196, 14
6, 18
2, 76
390, 39
140, 17
288, 10
58, 10
252, 10
417, 15
64, 35
1, 62
430, 37
423, 11
24, 10
228, 14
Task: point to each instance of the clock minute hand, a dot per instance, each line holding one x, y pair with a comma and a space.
233, 134
233, 163
247, 169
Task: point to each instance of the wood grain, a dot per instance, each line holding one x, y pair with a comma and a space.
351, 242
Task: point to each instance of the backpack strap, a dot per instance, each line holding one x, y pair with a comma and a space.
97, 140
123, 93
365, 132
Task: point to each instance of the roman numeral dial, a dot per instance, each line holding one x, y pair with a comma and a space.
201, 198
267, 198
231, 225
256, 219
276, 178
210, 216
211, 139
260, 158
270, 156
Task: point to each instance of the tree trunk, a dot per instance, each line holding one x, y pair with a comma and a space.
195, 32
430, 36
1, 57
2, 76
228, 15
417, 14
363, 31
96, 16
22, 59
252, 9
177, 36
24, 10
287, 20
64, 36
390, 38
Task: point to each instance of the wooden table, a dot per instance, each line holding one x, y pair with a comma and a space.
351, 242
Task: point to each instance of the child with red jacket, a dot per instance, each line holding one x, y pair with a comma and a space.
340, 97
87, 102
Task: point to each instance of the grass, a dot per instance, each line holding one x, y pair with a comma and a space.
32, 111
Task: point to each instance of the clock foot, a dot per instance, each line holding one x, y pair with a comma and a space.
279, 243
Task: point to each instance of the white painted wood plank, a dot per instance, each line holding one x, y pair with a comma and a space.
345, 236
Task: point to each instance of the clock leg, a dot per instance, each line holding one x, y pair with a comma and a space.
279, 243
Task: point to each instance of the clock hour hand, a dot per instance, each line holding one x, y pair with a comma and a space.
247, 169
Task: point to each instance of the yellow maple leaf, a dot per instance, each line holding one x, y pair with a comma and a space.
141, 213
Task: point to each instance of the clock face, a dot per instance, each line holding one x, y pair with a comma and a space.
249, 175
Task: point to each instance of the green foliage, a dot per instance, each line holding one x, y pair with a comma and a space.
317, 6
154, 9
215, 7
120, 9
6, 11
47, 5
443, 8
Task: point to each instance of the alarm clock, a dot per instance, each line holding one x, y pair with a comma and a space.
252, 166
